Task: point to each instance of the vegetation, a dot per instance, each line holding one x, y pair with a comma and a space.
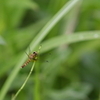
68, 64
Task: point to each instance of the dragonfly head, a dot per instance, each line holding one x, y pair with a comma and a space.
35, 53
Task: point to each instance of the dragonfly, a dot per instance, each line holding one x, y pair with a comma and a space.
32, 57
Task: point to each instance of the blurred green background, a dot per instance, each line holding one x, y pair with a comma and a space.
67, 72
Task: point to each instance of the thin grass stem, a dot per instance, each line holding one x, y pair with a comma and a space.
14, 97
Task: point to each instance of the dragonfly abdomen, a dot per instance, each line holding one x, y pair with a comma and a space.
28, 61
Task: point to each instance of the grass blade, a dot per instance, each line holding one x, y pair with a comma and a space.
67, 39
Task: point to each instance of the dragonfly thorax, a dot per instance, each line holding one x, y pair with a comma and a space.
33, 56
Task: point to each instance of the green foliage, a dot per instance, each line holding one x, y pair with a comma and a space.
68, 63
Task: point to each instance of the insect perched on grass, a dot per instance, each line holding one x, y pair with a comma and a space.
32, 57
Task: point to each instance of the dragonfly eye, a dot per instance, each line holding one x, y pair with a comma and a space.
34, 52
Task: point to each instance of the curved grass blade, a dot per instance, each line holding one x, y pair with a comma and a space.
67, 39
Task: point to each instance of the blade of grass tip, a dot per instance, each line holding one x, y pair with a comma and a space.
14, 97
65, 9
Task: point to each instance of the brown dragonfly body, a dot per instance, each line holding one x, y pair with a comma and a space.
32, 57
